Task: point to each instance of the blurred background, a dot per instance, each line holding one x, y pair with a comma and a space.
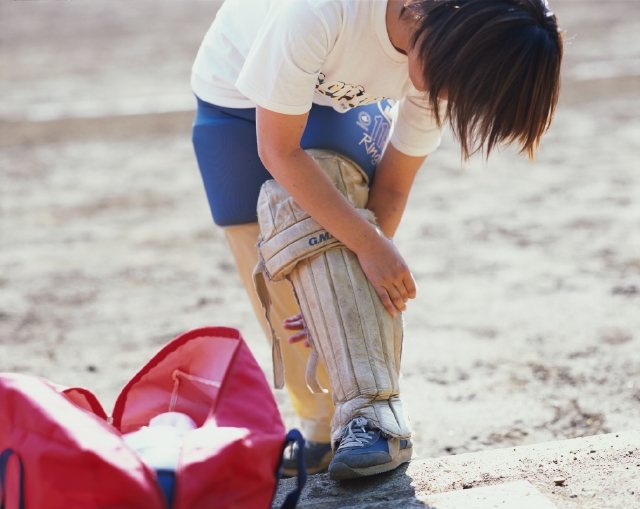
527, 323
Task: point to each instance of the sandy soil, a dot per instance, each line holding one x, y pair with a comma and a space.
527, 323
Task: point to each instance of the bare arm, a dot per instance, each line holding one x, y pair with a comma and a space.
394, 177
279, 148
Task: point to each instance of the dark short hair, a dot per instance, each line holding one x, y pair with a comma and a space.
498, 63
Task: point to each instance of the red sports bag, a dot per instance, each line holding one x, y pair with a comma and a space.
58, 450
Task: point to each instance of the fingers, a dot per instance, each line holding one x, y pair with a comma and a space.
411, 286
386, 300
295, 322
398, 296
299, 336
388, 273
394, 297
293, 318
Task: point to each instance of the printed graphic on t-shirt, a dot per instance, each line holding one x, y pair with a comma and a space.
375, 129
347, 96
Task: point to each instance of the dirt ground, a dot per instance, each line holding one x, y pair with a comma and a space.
527, 323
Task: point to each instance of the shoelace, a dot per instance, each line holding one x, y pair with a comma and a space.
354, 438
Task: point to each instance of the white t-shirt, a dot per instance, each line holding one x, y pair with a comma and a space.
284, 55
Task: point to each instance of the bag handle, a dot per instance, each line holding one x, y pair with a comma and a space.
295, 437
4, 461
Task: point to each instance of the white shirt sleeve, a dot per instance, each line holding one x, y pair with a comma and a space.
281, 70
415, 132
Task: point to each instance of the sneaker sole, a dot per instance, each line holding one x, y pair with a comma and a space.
340, 471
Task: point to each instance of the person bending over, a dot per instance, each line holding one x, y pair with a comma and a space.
373, 80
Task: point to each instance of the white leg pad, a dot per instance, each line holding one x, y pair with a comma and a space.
357, 340
351, 332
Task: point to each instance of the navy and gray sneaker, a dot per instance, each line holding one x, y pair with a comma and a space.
317, 456
366, 451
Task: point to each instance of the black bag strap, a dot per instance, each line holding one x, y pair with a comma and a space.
4, 461
295, 437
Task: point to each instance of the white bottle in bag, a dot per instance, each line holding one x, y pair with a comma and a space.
160, 443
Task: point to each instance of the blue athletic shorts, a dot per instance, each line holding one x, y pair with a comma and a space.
226, 148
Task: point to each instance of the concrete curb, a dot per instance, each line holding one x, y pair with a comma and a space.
601, 471
520, 495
